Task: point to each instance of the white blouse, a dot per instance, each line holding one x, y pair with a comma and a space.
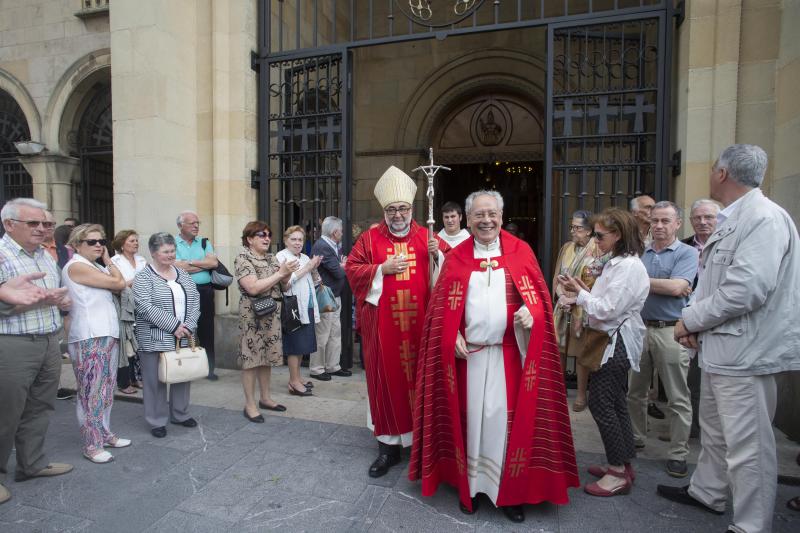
93, 312
302, 287
618, 295
128, 272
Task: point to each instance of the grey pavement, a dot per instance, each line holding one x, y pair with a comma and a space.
303, 475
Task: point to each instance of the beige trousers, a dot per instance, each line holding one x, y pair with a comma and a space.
329, 342
672, 362
738, 449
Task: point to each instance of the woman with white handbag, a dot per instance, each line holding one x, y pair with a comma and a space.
94, 337
167, 309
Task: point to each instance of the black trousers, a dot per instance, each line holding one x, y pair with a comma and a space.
608, 391
693, 380
205, 325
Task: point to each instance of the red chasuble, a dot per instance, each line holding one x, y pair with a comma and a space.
540, 459
390, 332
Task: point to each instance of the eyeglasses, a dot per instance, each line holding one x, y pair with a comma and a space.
262, 234
95, 242
392, 211
599, 235
577, 228
197, 223
33, 224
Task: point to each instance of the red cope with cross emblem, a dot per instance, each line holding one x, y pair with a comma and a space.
455, 295
527, 290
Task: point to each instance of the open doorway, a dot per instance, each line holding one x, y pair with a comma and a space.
520, 183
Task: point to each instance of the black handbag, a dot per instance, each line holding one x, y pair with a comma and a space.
221, 277
290, 314
264, 305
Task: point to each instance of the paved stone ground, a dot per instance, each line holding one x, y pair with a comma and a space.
300, 475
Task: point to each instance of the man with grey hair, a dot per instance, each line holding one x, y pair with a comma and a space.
324, 363
196, 256
671, 266
488, 358
703, 218
743, 324
640, 209
30, 358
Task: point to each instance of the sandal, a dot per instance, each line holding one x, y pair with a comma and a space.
99, 458
128, 390
794, 503
295, 392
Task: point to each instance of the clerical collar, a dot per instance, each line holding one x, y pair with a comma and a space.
402, 233
491, 247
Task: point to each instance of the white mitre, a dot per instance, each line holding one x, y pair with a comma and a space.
395, 186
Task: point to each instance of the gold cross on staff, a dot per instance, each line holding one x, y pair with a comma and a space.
488, 266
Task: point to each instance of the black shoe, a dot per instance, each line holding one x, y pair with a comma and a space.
467, 511
681, 495
212, 377
639, 445
655, 412
515, 513
277, 407
309, 384
64, 394
188, 423
677, 468
258, 419
389, 456
322, 377
295, 392
159, 432
341, 372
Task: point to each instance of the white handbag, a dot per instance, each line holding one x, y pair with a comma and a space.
182, 365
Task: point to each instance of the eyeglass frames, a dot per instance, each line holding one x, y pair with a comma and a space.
95, 242
33, 224
392, 211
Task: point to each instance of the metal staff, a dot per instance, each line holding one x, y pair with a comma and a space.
430, 171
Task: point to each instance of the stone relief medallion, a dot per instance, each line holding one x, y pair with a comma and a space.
438, 13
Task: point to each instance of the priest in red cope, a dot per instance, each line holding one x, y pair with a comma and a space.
388, 271
491, 413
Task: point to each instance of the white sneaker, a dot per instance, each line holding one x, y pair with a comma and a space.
100, 457
118, 443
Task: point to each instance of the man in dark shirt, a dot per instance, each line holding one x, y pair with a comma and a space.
324, 362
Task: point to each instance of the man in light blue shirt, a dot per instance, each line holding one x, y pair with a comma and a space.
671, 266
196, 256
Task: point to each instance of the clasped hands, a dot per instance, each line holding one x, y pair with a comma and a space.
20, 291
684, 337
522, 317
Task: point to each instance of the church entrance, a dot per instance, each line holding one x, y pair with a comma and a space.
520, 183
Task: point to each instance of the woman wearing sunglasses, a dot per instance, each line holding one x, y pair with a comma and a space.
613, 305
260, 348
91, 277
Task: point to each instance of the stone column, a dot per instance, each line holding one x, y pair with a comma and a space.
154, 90
53, 178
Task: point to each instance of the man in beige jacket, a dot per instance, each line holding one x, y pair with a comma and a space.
743, 324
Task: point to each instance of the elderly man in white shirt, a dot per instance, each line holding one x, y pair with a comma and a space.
743, 324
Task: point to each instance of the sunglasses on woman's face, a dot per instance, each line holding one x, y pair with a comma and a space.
262, 234
95, 242
599, 235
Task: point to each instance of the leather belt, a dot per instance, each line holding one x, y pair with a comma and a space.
33, 336
660, 323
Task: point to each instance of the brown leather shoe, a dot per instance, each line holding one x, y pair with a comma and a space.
5, 494
53, 469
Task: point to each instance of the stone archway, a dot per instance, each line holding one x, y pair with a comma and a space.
15, 181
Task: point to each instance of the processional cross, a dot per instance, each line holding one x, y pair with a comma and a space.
430, 171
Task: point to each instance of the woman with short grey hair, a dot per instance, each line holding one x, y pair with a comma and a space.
167, 309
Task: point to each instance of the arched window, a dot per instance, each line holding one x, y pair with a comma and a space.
14, 179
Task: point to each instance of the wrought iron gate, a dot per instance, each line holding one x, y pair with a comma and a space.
15, 182
95, 141
606, 109
607, 98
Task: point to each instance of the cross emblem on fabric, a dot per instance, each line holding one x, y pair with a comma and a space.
528, 291
517, 463
407, 358
456, 295
402, 248
530, 376
404, 309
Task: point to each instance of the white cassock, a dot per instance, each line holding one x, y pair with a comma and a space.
485, 318
454, 240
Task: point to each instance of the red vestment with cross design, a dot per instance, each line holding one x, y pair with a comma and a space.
390, 332
540, 458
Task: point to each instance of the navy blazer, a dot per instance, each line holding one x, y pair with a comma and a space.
330, 269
